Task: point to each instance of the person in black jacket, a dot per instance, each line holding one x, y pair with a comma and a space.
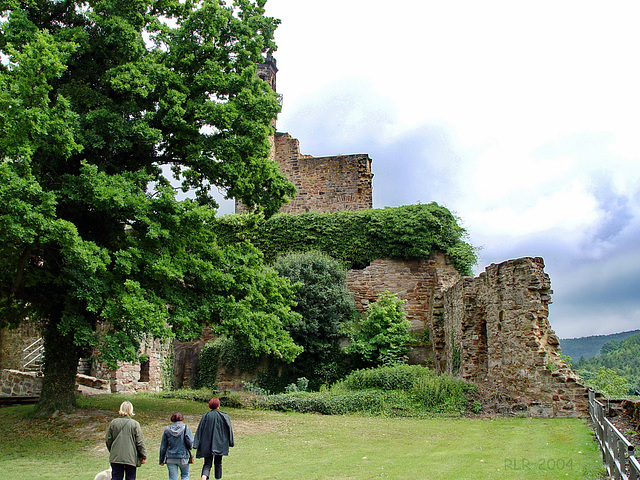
174, 447
213, 439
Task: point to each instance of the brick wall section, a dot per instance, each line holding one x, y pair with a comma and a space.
499, 324
324, 184
411, 280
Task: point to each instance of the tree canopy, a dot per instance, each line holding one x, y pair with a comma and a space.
382, 337
100, 101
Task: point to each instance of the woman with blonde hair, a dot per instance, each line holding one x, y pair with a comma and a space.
125, 444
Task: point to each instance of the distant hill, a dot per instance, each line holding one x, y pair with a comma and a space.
621, 356
587, 347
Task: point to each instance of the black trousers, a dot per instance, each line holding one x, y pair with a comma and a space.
120, 471
216, 460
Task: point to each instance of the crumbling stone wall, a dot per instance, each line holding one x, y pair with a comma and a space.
141, 377
186, 360
496, 330
413, 281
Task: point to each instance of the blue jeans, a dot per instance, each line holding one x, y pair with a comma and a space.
173, 471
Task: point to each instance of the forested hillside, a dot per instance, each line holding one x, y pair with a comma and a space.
621, 356
587, 347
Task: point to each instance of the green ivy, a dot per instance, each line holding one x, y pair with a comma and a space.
166, 369
455, 356
222, 351
208, 366
357, 238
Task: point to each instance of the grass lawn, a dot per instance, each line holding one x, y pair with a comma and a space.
286, 446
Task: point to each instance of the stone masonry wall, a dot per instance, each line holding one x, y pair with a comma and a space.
413, 281
13, 342
141, 377
324, 184
14, 382
497, 330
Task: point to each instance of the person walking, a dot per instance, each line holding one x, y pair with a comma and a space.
213, 439
125, 444
174, 447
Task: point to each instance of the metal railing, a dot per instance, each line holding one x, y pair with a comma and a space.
32, 355
618, 454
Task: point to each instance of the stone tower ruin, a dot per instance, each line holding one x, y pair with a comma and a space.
324, 184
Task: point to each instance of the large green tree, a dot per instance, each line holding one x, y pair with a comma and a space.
99, 101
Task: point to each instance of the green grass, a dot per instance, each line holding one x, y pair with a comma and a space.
293, 446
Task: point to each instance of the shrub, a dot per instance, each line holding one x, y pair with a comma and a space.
383, 336
372, 402
301, 385
608, 382
199, 395
442, 393
404, 390
398, 377
325, 305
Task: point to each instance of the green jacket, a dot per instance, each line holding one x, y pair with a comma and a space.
124, 442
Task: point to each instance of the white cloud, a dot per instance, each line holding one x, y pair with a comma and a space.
567, 211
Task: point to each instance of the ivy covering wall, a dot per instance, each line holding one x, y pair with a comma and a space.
357, 238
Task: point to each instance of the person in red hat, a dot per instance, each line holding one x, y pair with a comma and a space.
213, 439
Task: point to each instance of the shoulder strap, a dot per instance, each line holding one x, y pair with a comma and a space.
122, 428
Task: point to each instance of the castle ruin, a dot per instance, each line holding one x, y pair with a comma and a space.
492, 329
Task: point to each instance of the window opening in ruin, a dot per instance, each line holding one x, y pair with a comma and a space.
144, 371
500, 318
359, 265
483, 349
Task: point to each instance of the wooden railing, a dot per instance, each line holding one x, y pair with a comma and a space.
618, 454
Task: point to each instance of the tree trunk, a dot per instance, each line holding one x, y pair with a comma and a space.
60, 367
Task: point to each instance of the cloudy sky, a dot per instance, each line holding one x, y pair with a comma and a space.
523, 118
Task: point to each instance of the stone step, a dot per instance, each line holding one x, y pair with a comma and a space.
92, 382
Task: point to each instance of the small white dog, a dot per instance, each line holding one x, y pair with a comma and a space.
105, 475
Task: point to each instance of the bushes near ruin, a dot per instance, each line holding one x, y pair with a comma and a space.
402, 390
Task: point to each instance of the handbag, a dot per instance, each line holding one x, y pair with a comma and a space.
185, 444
